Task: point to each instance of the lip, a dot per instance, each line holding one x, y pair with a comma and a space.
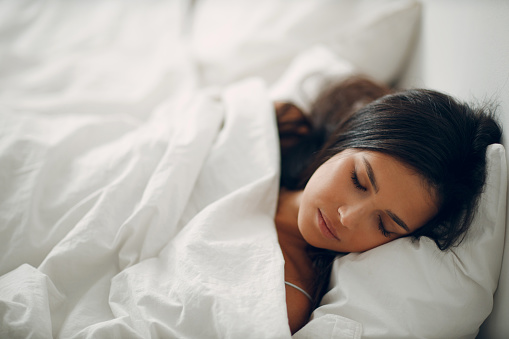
326, 230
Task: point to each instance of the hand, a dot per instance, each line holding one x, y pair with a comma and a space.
292, 124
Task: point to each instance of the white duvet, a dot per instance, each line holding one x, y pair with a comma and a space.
133, 203
113, 227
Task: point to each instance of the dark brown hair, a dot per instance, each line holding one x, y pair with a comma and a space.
442, 139
303, 136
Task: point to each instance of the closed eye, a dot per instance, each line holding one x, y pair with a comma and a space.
382, 229
356, 183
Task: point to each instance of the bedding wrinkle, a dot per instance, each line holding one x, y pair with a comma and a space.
162, 190
212, 265
91, 241
114, 252
34, 194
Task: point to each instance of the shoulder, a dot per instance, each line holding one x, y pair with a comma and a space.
299, 272
299, 308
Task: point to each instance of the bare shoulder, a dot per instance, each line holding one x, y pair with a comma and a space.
299, 308
298, 271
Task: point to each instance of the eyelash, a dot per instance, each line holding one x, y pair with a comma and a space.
382, 229
358, 185
356, 182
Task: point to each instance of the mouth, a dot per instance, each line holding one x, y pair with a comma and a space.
326, 230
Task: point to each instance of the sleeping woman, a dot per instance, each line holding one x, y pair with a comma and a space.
368, 166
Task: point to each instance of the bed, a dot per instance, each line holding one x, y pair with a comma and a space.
139, 167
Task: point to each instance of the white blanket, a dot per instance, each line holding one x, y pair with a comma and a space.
133, 204
161, 228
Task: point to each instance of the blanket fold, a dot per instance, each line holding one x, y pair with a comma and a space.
157, 228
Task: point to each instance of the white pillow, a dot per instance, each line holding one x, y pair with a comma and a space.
408, 289
235, 39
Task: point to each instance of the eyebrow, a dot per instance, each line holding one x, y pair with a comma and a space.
372, 179
371, 174
397, 220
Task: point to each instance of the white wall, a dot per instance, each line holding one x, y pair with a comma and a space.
463, 50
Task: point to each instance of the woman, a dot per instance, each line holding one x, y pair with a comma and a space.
369, 167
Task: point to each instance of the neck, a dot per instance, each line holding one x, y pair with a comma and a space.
287, 219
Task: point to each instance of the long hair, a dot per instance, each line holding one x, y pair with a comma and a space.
441, 139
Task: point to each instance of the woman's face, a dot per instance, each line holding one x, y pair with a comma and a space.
358, 200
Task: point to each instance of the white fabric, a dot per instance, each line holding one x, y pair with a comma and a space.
235, 39
330, 326
99, 201
308, 74
107, 150
408, 289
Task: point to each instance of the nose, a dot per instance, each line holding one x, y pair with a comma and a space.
351, 215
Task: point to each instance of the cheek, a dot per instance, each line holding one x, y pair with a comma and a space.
307, 219
324, 184
305, 215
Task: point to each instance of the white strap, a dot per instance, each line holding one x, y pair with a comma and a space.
300, 289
